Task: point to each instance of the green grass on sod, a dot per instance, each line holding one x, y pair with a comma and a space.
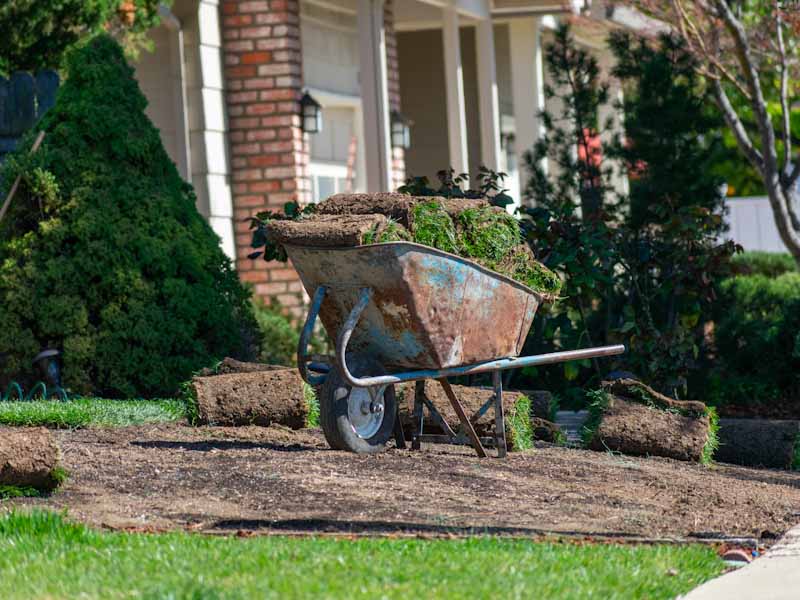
90, 411
43, 556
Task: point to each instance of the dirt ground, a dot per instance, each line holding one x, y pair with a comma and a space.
272, 480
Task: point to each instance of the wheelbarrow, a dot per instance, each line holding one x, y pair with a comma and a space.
402, 312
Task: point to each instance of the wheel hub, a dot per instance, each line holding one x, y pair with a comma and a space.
365, 409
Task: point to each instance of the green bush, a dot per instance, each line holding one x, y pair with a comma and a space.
770, 264
279, 335
757, 334
103, 253
37, 34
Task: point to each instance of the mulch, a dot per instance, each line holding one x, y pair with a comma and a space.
273, 480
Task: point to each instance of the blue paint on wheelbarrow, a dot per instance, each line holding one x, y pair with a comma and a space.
429, 309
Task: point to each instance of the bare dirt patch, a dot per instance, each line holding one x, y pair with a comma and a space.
270, 480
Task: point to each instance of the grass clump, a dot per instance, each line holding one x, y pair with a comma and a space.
520, 266
43, 555
487, 233
598, 403
519, 425
712, 443
86, 412
14, 491
432, 226
312, 402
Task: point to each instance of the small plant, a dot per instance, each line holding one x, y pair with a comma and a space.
712, 443
13, 491
310, 396
519, 424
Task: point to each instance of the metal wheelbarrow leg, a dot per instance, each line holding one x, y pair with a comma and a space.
382, 381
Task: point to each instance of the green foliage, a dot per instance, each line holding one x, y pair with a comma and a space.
712, 443
279, 335
487, 233
116, 267
432, 226
87, 412
265, 247
14, 491
37, 34
757, 333
452, 185
44, 555
520, 426
310, 396
638, 268
769, 264
598, 403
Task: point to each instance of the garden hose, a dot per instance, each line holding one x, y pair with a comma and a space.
14, 392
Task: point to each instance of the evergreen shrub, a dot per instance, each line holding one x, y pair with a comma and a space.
104, 255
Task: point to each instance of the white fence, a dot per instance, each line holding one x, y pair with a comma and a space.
752, 224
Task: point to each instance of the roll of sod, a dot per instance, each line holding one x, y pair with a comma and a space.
29, 459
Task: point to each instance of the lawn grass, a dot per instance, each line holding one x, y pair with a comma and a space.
44, 556
84, 412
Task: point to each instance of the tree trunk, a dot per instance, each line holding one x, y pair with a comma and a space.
257, 398
28, 457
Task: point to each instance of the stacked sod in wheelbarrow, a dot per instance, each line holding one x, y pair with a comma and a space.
411, 289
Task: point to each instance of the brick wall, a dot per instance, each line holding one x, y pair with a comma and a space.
269, 161
269, 157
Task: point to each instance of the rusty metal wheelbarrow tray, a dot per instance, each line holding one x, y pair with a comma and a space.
421, 314
428, 310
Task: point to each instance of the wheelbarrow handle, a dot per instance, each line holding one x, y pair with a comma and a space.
364, 297
305, 338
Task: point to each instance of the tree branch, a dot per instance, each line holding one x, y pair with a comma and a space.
784, 93
737, 127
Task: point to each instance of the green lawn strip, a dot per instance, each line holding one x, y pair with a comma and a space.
84, 412
42, 555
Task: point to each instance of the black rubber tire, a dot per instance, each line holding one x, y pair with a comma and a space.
333, 417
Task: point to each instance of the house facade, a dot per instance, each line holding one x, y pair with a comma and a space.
226, 79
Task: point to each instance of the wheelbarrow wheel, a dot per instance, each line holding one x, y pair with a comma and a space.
359, 420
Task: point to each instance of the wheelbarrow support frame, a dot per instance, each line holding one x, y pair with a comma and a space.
316, 373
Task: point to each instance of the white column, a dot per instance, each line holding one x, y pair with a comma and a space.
527, 83
454, 92
375, 95
487, 95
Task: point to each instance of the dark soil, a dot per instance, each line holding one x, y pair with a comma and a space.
634, 428
275, 480
325, 231
28, 457
758, 442
256, 398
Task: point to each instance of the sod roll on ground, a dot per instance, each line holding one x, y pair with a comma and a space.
628, 416
519, 435
29, 460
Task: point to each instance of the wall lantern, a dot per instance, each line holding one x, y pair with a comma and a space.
311, 114
401, 131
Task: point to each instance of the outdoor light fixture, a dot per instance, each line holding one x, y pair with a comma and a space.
401, 131
311, 114
49, 366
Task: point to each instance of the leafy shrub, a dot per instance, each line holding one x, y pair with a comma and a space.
770, 264
38, 33
638, 267
757, 334
106, 257
279, 335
